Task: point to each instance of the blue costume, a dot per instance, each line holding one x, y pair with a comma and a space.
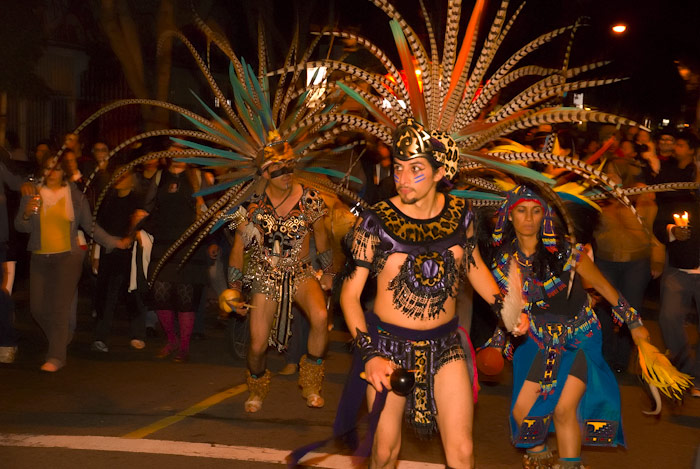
564, 339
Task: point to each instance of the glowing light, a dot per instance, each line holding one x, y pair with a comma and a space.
619, 28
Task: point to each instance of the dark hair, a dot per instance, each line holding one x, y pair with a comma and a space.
690, 138
47, 162
544, 263
46, 142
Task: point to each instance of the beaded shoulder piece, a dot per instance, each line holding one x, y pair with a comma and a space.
534, 290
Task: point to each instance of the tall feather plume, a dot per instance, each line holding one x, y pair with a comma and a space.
488, 51
461, 67
454, 11
432, 75
416, 98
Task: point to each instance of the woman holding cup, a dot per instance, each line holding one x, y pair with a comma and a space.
52, 216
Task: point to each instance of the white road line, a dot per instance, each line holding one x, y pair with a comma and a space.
183, 448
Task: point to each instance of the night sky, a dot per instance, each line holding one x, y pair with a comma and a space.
659, 33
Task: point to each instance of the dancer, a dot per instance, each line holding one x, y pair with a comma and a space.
560, 379
278, 229
418, 245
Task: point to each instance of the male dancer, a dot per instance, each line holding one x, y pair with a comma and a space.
277, 229
418, 245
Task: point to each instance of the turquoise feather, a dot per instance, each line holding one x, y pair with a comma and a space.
476, 195
331, 172
266, 111
214, 151
204, 161
238, 140
515, 169
381, 117
221, 187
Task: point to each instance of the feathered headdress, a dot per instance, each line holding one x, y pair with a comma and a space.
256, 125
453, 96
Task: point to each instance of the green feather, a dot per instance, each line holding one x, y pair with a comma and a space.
204, 161
239, 140
381, 117
522, 171
266, 112
214, 151
476, 195
221, 187
332, 172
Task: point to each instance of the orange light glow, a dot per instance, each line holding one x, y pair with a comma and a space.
619, 28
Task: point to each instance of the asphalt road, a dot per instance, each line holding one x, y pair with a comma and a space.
126, 408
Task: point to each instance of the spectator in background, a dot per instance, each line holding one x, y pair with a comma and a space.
171, 209
664, 145
71, 141
680, 284
143, 178
113, 273
590, 146
627, 254
94, 167
42, 149
17, 153
8, 337
646, 151
52, 217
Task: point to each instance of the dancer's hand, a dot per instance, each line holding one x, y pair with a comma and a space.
523, 325
326, 282
230, 300
378, 370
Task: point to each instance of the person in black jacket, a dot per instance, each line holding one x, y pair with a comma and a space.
681, 279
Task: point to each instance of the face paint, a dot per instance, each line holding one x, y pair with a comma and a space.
396, 178
419, 178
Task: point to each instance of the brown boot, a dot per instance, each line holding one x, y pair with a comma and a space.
541, 460
258, 388
310, 380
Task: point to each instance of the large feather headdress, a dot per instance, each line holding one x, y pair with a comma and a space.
256, 124
454, 95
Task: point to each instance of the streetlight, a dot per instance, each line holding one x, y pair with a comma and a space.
619, 28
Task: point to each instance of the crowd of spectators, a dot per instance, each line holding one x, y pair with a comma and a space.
149, 206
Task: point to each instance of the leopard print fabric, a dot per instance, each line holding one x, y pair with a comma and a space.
417, 231
429, 275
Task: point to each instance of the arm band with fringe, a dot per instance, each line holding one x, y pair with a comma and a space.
624, 313
363, 343
235, 278
497, 304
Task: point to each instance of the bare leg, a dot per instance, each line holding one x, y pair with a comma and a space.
258, 378
453, 397
261, 317
526, 399
312, 301
387, 439
565, 421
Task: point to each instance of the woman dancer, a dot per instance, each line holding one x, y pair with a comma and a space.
560, 379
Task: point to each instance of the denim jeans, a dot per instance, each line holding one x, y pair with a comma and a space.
678, 289
631, 280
